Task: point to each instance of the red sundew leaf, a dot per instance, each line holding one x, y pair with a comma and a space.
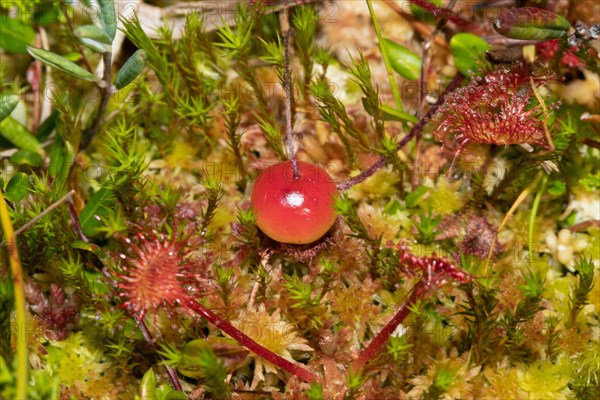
529, 23
494, 109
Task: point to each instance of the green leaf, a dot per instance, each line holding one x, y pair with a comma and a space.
94, 45
425, 16
61, 63
15, 36
17, 187
18, 135
403, 61
392, 207
148, 385
315, 392
93, 32
203, 360
72, 56
571, 219
393, 114
47, 126
61, 160
416, 196
174, 394
26, 157
8, 102
557, 188
94, 38
96, 208
132, 68
529, 23
87, 246
108, 17
591, 182
46, 12
469, 53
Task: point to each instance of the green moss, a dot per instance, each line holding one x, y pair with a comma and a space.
445, 198
177, 153
381, 185
545, 380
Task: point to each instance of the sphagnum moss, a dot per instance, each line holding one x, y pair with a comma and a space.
397, 299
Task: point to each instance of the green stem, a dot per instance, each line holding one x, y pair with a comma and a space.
534, 209
386, 58
17, 277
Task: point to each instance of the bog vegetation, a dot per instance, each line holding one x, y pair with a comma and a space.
464, 143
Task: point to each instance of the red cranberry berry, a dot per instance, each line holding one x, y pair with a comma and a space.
294, 209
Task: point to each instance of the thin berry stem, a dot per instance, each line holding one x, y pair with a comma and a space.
249, 343
289, 133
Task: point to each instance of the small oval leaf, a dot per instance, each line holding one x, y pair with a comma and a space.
148, 385
87, 246
93, 32
15, 35
416, 196
469, 53
18, 135
61, 160
530, 23
132, 68
423, 15
96, 208
47, 127
557, 188
108, 17
8, 102
175, 395
61, 63
26, 157
94, 45
17, 187
403, 61
46, 12
94, 38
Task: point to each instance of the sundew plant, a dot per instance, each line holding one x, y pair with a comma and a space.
253, 199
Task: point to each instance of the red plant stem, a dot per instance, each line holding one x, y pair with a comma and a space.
75, 221
373, 349
417, 129
171, 373
249, 343
591, 143
447, 14
585, 224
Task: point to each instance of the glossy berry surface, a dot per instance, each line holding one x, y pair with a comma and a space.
297, 210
